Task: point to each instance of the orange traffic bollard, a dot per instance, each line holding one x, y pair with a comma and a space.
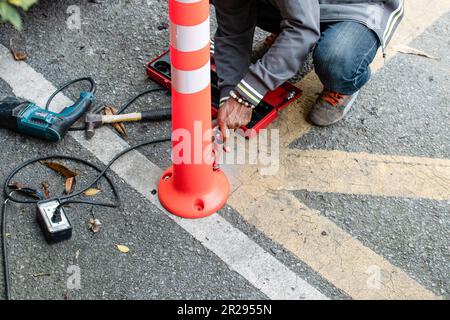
191, 187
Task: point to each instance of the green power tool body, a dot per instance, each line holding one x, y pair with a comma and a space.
27, 118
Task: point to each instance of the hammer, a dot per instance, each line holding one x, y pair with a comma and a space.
94, 120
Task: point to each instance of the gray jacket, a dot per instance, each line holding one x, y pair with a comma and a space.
300, 31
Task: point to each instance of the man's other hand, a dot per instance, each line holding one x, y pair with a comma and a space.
233, 115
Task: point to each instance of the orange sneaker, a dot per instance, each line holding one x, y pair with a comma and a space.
331, 107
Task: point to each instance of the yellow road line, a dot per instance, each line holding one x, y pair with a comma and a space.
362, 173
339, 258
326, 248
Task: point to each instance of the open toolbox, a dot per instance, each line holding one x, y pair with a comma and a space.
267, 111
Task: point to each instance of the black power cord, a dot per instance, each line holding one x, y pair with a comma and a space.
92, 89
5, 253
67, 199
133, 100
64, 200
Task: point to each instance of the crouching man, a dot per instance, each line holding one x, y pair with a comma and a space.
345, 35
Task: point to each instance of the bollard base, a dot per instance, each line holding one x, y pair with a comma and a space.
193, 206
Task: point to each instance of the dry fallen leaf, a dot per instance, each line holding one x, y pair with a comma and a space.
45, 188
17, 186
414, 51
92, 192
119, 127
95, 225
70, 185
65, 172
26, 190
42, 274
59, 168
17, 55
122, 248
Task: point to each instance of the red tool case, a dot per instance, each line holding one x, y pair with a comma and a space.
159, 70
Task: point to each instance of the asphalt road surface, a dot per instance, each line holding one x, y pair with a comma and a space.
404, 111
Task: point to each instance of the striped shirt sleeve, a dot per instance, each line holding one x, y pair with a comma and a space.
251, 89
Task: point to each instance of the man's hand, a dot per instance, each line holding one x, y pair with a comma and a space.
233, 115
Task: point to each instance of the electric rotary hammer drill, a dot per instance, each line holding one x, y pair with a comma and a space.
27, 118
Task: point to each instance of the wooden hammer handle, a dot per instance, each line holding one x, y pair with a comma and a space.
129, 117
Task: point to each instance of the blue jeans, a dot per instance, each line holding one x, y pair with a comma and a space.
343, 55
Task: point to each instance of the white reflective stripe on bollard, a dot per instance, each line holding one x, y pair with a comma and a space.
188, 82
188, 1
189, 39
